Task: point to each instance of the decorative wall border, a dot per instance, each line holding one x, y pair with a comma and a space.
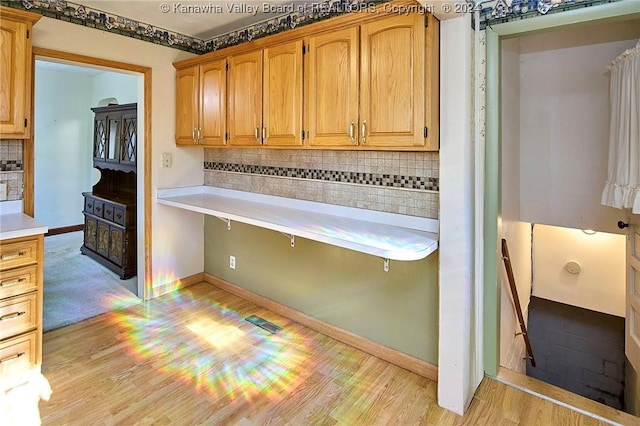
491, 12
372, 179
494, 12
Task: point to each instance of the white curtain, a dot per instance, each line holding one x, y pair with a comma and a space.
622, 189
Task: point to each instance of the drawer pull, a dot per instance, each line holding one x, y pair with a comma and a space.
11, 358
12, 283
13, 256
12, 316
118, 215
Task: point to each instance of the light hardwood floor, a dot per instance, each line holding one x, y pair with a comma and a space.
190, 358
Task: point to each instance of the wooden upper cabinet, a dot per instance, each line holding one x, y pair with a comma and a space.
282, 95
392, 85
201, 104
332, 83
15, 73
245, 99
187, 93
363, 81
213, 103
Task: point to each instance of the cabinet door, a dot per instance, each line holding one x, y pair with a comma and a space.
129, 139
114, 137
282, 96
100, 137
187, 89
213, 103
245, 99
15, 81
102, 238
90, 233
332, 105
392, 82
116, 245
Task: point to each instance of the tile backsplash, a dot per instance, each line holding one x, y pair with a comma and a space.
394, 182
11, 168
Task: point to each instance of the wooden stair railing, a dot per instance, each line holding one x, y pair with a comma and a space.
516, 301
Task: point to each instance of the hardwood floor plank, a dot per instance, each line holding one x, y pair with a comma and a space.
190, 358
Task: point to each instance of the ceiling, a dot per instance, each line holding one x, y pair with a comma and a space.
200, 19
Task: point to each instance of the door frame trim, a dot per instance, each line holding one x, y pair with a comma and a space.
29, 171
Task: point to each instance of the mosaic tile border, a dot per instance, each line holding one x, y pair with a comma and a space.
494, 12
10, 165
372, 179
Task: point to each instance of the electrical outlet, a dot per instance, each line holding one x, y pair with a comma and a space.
166, 159
232, 262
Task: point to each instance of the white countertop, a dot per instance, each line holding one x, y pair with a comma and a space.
16, 225
388, 235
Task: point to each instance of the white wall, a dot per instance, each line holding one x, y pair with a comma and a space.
600, 286
516, 232
456, 352
177, 235
123, 87
564, 124
63, 133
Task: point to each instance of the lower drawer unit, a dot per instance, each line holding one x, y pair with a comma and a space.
19, 354
18, 315
18, 281
18, 252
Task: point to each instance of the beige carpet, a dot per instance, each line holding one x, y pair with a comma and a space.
77, 287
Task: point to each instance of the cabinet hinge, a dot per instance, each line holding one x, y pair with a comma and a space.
226, 136
426, 132
25, 123
28, 33
303, 135
226, 66
304, 49
426, 21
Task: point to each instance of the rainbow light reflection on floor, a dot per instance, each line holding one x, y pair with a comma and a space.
228, 358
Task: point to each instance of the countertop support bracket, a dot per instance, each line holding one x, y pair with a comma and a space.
227, 221
292, 238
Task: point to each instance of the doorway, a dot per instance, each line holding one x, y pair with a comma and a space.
76, 287
553, 147
142, 76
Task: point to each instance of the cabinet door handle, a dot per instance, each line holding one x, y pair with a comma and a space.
364, 131
13, 315
13, 256
199, 135
256, 134
193, 134
11, 358
12, 283
352, 128
264, 134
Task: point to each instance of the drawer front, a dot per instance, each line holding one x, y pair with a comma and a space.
119, 216
19, 354
18, 253
98, 208
18, 315
88, 204
18, 281
108, 211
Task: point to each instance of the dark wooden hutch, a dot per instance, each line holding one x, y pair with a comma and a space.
110, 209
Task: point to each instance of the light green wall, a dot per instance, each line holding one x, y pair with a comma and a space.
342, 287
